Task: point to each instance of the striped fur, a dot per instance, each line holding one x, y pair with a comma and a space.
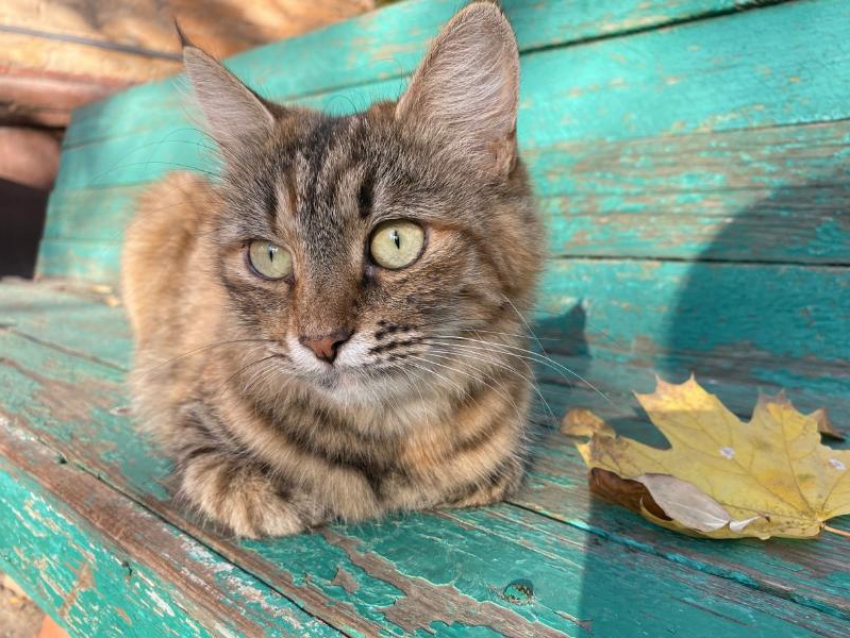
426, 404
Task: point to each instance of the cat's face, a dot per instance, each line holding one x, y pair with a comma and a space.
362, 252
372, 249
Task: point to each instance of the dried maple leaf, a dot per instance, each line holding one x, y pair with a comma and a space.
768, 477
583, 422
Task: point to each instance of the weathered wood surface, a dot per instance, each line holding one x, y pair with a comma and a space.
590, 574
706, 75
107, 567
753, 324
690, 160
59, 54
624, 168
146, 27
387, 45
773, 195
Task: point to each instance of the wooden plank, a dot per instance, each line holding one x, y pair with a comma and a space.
23, 53
685, 102
784, 321
34, 99
649, 83
783, 568
43, 80
102, 565
80, 259
465, 560
616, 368
56, 56
147, 28
89, 327
389, 43
795, 313
775, 194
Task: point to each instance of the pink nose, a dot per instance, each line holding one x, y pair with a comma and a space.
326, 347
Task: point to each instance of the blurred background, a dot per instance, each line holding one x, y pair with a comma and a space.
56, 55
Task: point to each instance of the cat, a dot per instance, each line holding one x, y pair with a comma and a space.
333, 329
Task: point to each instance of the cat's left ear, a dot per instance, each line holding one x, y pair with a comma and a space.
467, 89
235, 115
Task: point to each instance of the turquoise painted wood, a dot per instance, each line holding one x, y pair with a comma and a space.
646, 84
108, 567
691, 163
582, 128
387, 45
447, 571
766, 194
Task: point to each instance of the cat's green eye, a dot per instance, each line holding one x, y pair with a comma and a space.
396, 244
269, 260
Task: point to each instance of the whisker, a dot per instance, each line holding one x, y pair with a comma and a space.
500, 391
525, 322
203, 349
538, 358
242, 369
435, 373
529, 379
531, 383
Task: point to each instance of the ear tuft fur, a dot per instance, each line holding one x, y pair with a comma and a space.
233, 112
467, 88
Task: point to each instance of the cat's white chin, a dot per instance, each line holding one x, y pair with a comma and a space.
355, 387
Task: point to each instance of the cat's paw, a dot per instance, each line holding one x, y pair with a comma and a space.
241, 496
494, 488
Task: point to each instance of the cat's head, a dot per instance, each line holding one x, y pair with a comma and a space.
373, 248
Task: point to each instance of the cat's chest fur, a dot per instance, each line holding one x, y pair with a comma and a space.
360, 462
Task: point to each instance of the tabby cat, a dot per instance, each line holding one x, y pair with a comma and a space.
333, 328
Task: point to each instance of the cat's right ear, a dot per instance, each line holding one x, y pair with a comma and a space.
467, 89
234, 113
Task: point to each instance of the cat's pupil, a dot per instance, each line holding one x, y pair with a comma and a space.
396, 238
272, 250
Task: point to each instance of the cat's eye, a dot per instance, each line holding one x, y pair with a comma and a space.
269, 260
396, 244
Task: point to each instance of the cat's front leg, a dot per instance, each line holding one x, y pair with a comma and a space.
244, 495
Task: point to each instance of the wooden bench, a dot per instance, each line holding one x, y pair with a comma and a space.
691, 162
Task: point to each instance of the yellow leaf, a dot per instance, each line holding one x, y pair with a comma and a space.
771, 473
583, 422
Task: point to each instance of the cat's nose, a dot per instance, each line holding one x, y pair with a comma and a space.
326, 347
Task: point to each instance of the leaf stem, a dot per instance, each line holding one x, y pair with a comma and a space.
834, 530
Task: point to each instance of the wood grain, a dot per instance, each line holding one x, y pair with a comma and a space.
464, 561
711, 75
102, 565
773, 195
694, 184
57, 55
146, 27
386, 45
